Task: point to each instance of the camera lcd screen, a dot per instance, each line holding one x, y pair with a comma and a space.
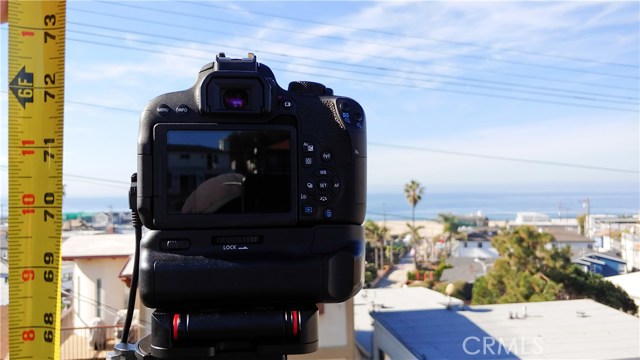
228, 171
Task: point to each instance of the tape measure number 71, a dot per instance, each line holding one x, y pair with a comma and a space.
36, 106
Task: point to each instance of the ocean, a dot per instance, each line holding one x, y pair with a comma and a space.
494, 205
503, 206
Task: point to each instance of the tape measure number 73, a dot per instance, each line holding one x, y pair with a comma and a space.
36, 106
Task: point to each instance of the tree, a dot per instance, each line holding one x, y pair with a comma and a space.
414, 232
375, 235
530, 269
581, 221
450, 229
413, 192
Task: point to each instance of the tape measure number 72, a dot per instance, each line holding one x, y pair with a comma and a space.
36, 106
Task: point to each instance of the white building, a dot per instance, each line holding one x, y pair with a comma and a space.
630, 249
476, 244
98, 290
531, 218
569, 237
335, 331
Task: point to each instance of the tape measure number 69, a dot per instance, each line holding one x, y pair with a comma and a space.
36, 106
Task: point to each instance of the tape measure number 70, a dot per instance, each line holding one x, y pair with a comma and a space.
36, 100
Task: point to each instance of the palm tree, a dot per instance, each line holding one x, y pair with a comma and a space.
414, 232
450, 229
375, 235
413, 192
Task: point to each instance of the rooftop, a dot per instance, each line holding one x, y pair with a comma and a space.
572, 329
394, 299
567, 236
98, 246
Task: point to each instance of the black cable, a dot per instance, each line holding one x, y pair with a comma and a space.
137, 225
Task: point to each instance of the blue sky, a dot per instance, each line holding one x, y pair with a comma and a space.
462, 96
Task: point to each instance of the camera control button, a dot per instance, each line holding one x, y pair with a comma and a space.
310, 186
175, 245
307, 147
323, 172
326, 156
308, 161
336, 185
182, 109
287, 104
344, 106
323, 198
163, 110
308, 210
323, 185
328, 213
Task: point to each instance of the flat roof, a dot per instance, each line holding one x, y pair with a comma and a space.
570, 329
98, 246
391, 299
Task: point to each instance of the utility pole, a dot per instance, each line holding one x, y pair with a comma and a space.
586, 204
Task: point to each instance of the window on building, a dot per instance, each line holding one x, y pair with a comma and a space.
382, 355
479, 244
77, 295
98, 297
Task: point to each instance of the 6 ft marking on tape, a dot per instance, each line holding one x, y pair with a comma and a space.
36, 107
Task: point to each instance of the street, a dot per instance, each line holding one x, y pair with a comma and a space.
398, 275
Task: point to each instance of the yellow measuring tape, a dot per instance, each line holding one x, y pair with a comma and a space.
36, 106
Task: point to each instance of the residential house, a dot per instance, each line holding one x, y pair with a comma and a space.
476, 243
569, 237
100, 220
630, 248
602, 224
98, 290
603, 264
531, 218
466, 269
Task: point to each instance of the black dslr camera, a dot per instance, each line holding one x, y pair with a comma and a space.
254, 197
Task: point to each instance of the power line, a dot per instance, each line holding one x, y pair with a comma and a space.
490, 95
457, 67
506, 158
388, 33
288, 30
573, 94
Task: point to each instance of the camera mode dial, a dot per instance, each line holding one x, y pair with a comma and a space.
309, 88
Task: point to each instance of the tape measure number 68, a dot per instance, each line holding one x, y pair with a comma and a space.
36, 106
